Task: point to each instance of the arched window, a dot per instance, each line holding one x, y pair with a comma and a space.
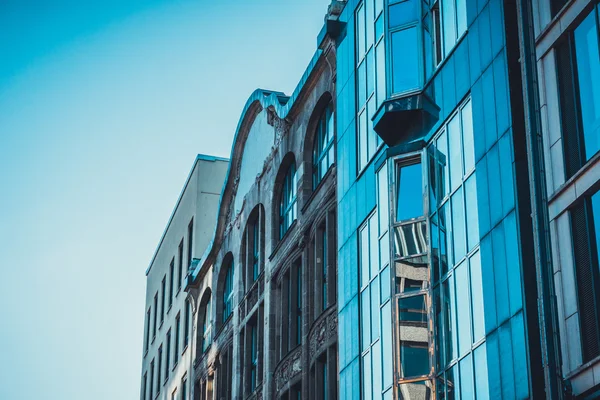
228, 292
206, 318
323, 149
288, 204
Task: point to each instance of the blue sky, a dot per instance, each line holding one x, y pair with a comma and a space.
103, 107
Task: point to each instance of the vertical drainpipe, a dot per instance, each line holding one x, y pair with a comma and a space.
547, 308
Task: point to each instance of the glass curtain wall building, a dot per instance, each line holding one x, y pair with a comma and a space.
432, 179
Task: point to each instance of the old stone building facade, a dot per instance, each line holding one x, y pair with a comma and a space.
264, 293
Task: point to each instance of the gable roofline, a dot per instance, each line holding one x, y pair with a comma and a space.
199, 157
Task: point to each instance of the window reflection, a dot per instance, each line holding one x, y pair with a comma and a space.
409, 182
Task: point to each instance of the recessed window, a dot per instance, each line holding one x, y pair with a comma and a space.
155, 316
186, 327
578, 67
180, 269
228, 292
151, 387
148, 318
190, 241
323, 149
253, 356
409, 198
288, 204
163, 287
159, 370
206, 314
171, 281
176, 339
168, 356
585, 225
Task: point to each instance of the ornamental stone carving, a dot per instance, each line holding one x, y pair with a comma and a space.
288, 368
323, 332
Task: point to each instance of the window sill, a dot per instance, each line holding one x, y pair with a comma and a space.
283, 239
153, 338
184, 349
161, 324
169, 309
326, 177
174, 366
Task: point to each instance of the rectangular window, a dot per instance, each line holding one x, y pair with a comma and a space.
585, 225
408, 182
449, 23
148, 318
190, 241
159, 370
155, 316
324, 268
180, 270
186, 334
256, 251
184, 389
144, 387
174, 394
171, 281
168, 356
163, 287
151, 379
578, 66
176, 340
253, 356
299, 304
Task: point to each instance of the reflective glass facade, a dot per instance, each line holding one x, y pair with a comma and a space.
431, 297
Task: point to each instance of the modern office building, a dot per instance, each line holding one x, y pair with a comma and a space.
167, 348
264, 292
467, 132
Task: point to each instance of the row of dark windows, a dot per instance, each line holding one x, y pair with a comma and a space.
578, 69
152, 319
155, 378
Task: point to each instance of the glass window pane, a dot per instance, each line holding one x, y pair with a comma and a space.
405, 60
374, 309
449, 320
366, 377
443, 159
467, 391
361, 83
384, 249
461, 16
369, 17
371, 76
471, 209
588, 71
462, 308
374, 245
446, 254
380, 58
385, 284
596, 218
409, 183
379, 27
362, 137
477, 297
383, 198
360, 32
386, 342
364, 256
456, 170
376, 364
365, 319
458, 225
449, 25
481, 372
371, 135
403, 13
467, 130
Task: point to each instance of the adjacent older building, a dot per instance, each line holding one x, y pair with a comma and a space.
264, 293
167, 348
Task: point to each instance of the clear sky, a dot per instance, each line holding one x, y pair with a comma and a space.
103, 106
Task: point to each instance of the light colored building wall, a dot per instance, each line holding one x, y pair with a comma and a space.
563, 193
199, 200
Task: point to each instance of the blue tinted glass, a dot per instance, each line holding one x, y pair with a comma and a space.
365, 319
471, 209
443, 159
588, 71
386, 342
409, 194
361, 84
449, 24
462, 308
513, 263
461, 16
376, 364
370, 73
364, 256
366, 377
405, 60
477, 297
500, 277
596, 216
467, 131
362, 137
481, 374
374, 309
467, 391
379, 27
454, 138
380, 59
458, 225
385, 284
403, 13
